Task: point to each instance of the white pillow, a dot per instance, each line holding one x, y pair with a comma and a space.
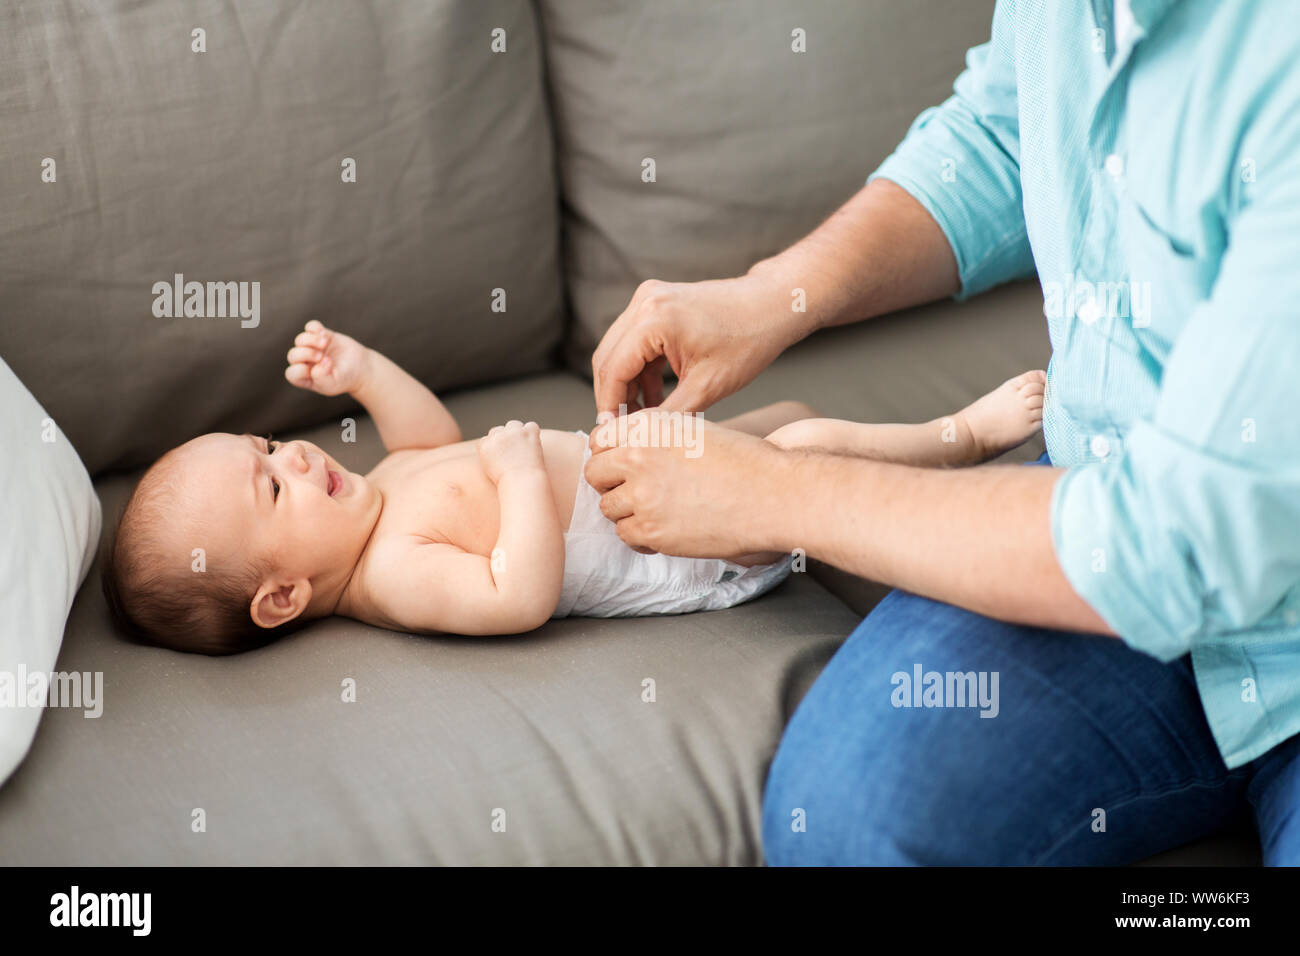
49, 531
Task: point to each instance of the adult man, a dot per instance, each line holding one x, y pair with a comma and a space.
1151, 150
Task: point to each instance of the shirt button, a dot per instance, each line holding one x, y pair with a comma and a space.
1115, 165
1100, 446
1089, 312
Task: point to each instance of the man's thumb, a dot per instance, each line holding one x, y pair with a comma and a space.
688, 396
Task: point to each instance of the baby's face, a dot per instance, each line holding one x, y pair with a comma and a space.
287, 504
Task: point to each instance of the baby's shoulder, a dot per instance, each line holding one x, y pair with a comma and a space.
407, 460
393, 461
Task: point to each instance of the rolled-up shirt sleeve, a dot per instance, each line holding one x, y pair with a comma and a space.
961, 161
1194, 532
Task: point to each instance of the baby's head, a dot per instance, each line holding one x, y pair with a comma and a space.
230, 538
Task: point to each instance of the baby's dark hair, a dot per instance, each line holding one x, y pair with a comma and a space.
157, 597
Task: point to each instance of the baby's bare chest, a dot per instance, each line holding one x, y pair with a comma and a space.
443, 495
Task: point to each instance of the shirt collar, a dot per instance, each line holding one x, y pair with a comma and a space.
1146, 15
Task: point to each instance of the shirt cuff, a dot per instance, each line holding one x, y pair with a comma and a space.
1131, 574
968, 215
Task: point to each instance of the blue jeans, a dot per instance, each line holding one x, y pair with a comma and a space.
1098, 754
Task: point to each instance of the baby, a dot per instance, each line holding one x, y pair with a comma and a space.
492, 536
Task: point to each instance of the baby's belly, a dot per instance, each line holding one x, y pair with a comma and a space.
564, 453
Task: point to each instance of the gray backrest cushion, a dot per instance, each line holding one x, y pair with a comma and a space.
227, 165
753, 143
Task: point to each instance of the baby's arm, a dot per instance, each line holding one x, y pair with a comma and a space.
439, 587
999, 421
406, 413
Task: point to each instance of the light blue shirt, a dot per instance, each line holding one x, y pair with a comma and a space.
1154, 186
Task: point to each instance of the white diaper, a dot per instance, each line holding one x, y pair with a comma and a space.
603, 577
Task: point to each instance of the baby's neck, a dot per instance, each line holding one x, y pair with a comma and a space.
334, 591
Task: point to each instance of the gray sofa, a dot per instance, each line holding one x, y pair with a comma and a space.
500, 152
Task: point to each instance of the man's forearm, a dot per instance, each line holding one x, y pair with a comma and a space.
879, 252
978, 538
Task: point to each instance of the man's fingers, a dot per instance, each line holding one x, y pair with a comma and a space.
627, 534
604, 436
619, 370
614, 335
617, 374
604, 472
651, 381
616, 503
633, 393
690, 395
610, 338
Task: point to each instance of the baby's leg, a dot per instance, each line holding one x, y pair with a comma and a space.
763, 421
999, 421
1006, 417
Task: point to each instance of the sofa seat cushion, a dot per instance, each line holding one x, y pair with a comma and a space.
549, 732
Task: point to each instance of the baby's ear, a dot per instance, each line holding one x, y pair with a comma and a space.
279, 602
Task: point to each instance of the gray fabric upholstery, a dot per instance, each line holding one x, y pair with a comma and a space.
753, 143
549, 727
227, 166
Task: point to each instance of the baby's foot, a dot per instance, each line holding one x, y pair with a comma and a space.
1007, 416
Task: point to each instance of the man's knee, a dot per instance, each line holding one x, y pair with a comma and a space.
830, 796
811, 818
860, 780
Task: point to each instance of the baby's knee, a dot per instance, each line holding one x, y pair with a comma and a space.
810, 432
792, 411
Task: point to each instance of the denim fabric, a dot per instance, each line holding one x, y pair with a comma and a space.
1088, 733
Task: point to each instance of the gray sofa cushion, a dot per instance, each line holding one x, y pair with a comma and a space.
549, 727
753, 143
227, 166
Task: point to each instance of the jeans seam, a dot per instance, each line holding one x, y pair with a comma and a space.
1122, 802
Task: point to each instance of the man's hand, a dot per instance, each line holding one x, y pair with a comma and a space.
327, 362
513, 446
717, 336
661, 499
879, 252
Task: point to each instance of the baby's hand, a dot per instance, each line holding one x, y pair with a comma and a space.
509, 447
327, 362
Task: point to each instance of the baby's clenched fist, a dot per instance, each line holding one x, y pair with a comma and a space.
326, 362
510, 447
